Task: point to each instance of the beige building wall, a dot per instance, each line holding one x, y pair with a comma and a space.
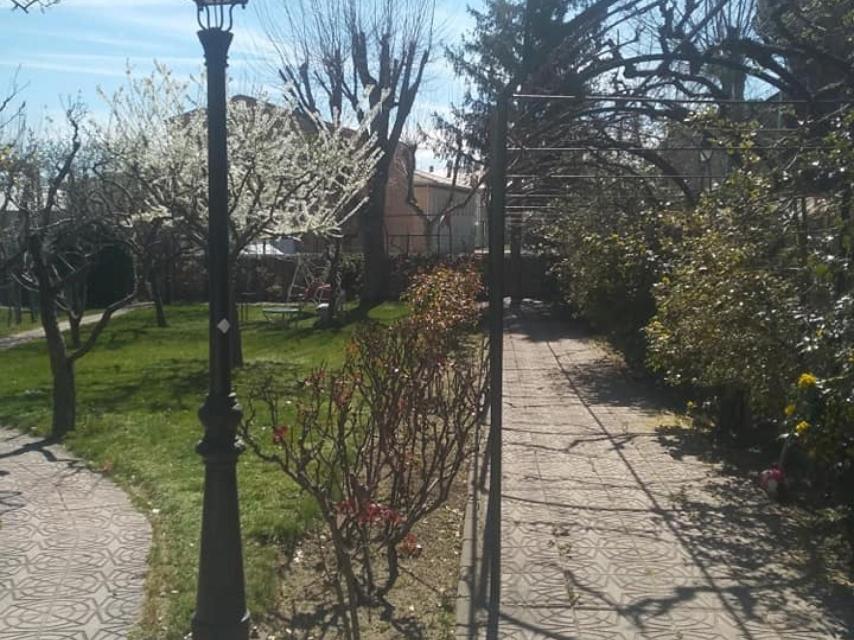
404, 227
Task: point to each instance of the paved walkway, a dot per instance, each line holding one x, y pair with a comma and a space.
612, 530
72, 549
23, 337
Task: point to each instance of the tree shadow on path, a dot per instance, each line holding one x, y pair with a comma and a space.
727, 557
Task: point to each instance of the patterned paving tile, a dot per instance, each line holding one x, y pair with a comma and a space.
607, 535
74, 550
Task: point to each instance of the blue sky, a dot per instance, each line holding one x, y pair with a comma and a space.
79, 45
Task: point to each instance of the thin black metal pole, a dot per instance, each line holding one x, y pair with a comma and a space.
587, 176
592, 148
498, 186
221, 598
678, 101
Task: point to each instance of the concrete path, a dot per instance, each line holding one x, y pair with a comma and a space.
72, 549
7, 342
612, 530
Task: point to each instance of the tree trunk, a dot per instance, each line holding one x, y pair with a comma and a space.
428, 236
76, 298
159, 311
74, 321
32, 303
334, 281
64, 397
17, 302
61, 367
373, 241
733, 410
157, 298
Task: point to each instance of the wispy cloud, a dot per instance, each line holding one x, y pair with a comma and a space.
98, 58
78, 69
82, 44
80, 37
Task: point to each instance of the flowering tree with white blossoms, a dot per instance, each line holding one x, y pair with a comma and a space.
55, 217
288, 174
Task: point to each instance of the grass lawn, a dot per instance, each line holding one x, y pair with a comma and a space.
7, 328
138, 393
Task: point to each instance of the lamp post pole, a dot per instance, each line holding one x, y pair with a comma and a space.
221, 612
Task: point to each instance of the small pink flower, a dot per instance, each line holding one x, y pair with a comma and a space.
279, 434
771, 480
410, 547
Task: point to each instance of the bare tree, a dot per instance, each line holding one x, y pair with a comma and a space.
346, 58
55, 219
26, 5
11, 120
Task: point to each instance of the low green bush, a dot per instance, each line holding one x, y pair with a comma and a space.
735, 297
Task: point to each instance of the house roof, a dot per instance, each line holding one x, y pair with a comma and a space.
425, 178
258, 249
304, 121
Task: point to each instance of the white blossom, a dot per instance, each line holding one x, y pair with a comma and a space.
288, 174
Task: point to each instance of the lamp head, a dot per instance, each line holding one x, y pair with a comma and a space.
217, 14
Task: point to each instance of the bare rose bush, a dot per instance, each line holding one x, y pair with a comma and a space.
379, 442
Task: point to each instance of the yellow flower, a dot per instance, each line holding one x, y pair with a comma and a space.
789, 410
806, 381
802, 427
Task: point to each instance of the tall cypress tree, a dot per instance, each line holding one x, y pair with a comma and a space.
528, 44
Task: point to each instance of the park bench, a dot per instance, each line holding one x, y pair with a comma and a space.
284, 314
316, 294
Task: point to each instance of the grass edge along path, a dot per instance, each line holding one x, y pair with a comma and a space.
8, 329
138, 394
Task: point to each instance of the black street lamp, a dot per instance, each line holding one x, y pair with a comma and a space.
221, 599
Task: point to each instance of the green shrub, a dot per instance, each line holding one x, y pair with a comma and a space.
403, 268
724, 323
607, 267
